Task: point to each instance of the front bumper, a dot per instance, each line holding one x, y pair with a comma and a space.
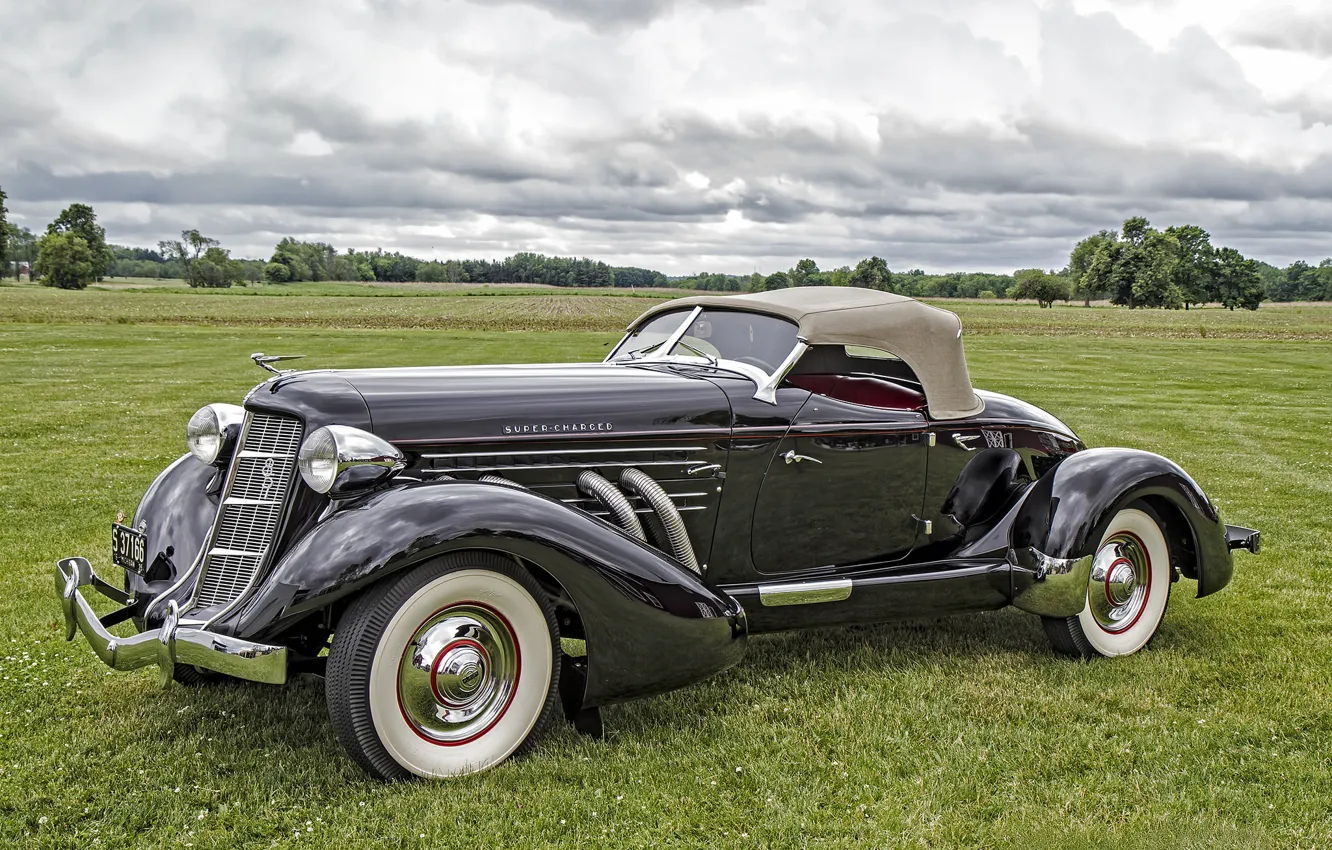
166, 647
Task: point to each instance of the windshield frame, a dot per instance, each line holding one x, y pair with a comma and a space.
765, 383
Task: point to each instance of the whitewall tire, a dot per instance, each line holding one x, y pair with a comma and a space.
446, 670
1127, 593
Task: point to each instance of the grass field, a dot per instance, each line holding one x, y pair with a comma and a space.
962, 732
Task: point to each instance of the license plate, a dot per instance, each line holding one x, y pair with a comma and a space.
128, 548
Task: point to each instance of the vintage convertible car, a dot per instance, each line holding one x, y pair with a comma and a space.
466, 552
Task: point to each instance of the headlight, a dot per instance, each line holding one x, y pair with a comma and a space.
212, 431
340, 460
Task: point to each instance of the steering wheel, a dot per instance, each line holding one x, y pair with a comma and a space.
754, 361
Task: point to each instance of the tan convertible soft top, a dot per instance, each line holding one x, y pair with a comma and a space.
927, 339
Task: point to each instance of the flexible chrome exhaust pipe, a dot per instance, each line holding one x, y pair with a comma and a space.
593, 485
642, 485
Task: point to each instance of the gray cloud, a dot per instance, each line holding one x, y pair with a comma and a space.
722, 136
613, 14
1286, 28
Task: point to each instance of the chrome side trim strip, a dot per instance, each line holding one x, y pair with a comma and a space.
447, 470
544, 452
805, 592
672, 495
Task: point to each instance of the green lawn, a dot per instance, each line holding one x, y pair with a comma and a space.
962, 732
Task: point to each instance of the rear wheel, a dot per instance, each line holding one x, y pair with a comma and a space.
445, 670
1127, 593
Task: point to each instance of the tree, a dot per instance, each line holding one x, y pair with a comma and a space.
1237, 283
188, 250
4, 235
1320, 287
1137, 271
1154, 261
803, 272
840, 276
80, 219
1042, 286
1192, 273
275, 272
872, 273
1080, 262
22, 249
215, 269
290, 263
777, 280
66, 260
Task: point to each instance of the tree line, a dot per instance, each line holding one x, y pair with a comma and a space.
1135, 266
294, 261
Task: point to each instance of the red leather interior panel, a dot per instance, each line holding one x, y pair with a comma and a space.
871, 392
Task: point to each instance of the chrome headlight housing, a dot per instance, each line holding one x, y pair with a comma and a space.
341, 461
212, 431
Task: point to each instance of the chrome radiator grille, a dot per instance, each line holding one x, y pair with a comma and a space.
260, 481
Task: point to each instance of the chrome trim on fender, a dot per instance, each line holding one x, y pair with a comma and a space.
173, 643
1059, 585
804, 592
561, 451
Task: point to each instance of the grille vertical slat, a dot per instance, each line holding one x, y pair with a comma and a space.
262, 475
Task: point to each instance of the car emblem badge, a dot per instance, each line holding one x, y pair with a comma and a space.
269, 473
120, 516
997, 439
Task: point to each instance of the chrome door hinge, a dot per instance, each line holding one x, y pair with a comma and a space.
926, 525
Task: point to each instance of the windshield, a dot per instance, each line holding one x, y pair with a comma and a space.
752, 338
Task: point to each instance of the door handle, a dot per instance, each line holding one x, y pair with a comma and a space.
791, 457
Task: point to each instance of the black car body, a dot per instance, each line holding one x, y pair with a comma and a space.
662, 505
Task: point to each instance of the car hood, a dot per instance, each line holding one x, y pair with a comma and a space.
457, 403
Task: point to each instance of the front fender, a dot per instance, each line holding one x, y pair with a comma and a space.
650, 624
177, 512
1063, 516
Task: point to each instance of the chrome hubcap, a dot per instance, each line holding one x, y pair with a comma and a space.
1120, 580
458, 674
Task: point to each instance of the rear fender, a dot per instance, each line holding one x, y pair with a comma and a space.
1064, 514
650, 624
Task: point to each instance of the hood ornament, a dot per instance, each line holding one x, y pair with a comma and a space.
262, 360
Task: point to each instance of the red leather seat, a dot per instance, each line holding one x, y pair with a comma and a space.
871, 392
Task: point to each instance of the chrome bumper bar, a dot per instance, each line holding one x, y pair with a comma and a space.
166, 647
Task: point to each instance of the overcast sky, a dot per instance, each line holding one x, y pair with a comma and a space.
725, 135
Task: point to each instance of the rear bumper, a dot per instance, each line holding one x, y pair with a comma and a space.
166, 647
1239, 537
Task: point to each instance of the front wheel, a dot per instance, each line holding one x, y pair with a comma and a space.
1127, 593
445, 670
